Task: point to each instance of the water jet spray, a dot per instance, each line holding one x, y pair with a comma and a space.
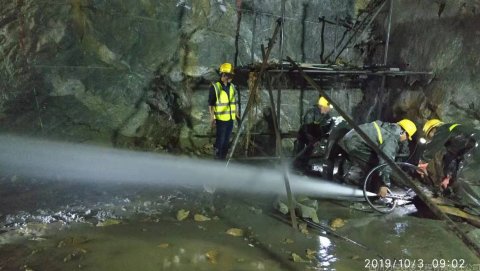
36, 158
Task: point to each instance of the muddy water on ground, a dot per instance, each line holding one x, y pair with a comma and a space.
67, 226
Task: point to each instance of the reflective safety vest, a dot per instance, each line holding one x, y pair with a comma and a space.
379, 133
225, 107
453, 126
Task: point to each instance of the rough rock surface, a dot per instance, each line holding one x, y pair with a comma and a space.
136, 73
442, 37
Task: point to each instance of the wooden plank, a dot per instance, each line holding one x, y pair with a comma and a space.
448, 207
451, 210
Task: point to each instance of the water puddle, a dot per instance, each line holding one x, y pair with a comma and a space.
124, 216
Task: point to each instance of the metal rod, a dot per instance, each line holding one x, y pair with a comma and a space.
359, 27
319, 226
387, 42
301, 108
279, 93
381, 94
334, 50
255, 158
358, 72
467, 240
291, 134
255, 86
291, 202
335, 36
73, 67
247, 110
322, 39
38, 108
278, 138
279, 105
282, 33
237, 35
254, 26
287, 18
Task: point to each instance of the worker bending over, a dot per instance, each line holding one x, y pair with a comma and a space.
315, 125
388, 137
455, 141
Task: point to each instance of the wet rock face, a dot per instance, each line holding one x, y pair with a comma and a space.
443, 37
128, 63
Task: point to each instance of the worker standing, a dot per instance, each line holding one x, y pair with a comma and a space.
455, 140
388, 137
315, 125
223, 109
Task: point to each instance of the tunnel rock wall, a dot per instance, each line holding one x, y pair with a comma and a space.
442, 37
136, 73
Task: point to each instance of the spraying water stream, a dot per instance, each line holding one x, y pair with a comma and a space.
46, 159
108, 209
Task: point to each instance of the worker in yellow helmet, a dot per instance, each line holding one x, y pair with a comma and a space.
389, 138
315, 125
222, 106
455, 140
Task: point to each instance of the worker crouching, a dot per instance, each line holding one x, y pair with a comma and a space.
388, 137
316, 124
453, 141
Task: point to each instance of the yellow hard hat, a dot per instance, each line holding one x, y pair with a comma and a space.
409, 127
226, 68
323, 102
429, 125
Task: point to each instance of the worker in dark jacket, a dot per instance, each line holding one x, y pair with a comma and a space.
454, 140
223, 109
315, 125
333, 152
387, 136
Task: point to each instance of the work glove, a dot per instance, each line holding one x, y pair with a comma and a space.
422, 168
383, 191
445, 182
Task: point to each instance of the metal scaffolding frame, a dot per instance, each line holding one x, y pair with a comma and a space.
317, 71
266, 69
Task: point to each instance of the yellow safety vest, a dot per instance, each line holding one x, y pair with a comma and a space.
379, 133
225, 107
453, 126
